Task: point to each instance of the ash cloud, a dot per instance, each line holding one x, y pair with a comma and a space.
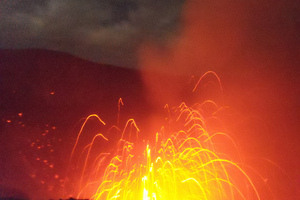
218, 34
257, 41
108, 31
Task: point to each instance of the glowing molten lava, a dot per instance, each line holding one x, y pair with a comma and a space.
182, 162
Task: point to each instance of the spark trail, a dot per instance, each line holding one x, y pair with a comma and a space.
182, 162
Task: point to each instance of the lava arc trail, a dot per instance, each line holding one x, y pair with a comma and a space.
181, 162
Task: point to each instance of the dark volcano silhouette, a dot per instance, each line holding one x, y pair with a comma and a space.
50, 87
78, 87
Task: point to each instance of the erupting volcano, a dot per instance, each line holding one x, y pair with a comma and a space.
179, 161
149, 100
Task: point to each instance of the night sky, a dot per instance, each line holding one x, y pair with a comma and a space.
115, 31
106, 31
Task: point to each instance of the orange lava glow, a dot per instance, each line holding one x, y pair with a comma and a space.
182, 161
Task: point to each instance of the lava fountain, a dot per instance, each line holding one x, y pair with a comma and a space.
181, 161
